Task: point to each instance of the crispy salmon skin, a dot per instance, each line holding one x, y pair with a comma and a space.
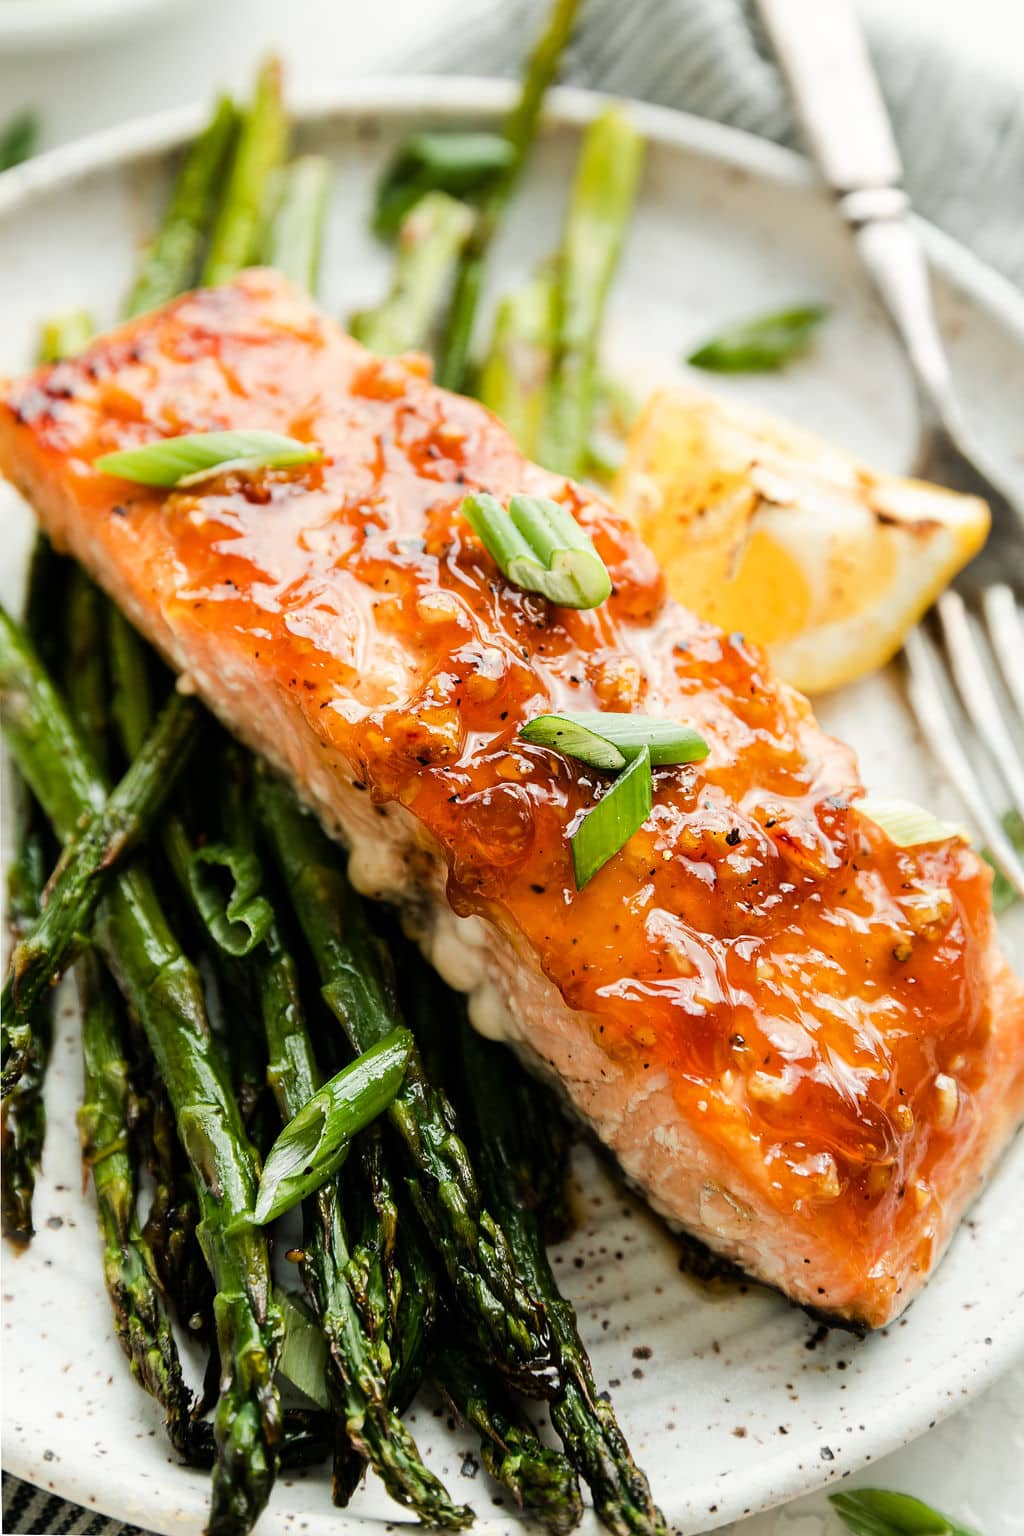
800, 1041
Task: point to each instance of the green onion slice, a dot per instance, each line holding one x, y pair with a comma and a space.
608, 740
174, 461
313, 1145
762, 344
905, 823
303, 1359
614, 819
540, 547
569, 735
64, 335
876, 1512
225, 883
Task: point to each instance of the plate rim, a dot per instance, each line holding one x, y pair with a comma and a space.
387, 96
456, 95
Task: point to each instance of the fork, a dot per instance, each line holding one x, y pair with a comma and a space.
823, 55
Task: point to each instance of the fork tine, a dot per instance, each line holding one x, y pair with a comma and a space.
938, 726
976, 691
1007, 635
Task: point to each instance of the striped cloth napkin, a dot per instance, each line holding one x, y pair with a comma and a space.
964, 170
958, 115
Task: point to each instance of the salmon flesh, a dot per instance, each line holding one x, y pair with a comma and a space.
799, 1040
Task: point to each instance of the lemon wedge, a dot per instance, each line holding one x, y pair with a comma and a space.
763, 528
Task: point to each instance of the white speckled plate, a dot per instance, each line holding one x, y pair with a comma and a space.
731, 1401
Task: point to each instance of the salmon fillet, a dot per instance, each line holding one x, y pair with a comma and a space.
801, 1042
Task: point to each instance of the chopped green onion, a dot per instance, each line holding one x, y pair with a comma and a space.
65, 335
1003, 894
568, 735
616, 816
633, 743
18, 139
762, 344
588, 734
181, 461
458, 163
240, 919
905, 823
303, 1359
313, 1145
540, 547
874, 1512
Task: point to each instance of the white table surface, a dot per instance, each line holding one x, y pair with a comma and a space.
972, 1464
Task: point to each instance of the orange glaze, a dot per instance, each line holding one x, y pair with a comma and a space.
801, 980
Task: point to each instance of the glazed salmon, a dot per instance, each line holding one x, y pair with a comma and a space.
800, 1041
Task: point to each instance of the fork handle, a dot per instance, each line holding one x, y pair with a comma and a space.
891, 250
821, 48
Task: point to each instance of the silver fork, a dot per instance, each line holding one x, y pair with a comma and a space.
822, 51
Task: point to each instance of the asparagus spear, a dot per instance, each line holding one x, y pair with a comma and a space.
172, 1222
177, 1202
599, 209
259, 151
84, 674
356, 1384
357, 1376
170, 1237
545, 1134
85, 869
584, 1420
399, 1293
23, 1124
163, 988
130, 688
45, 591
403, 1291
140, 1320
415, 1300
520, 130
545, 1137
172, 261
515, 374
394, 1280
432, 235
170, 1228
501, 1315
24, 1116
295, 235
540, 1479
